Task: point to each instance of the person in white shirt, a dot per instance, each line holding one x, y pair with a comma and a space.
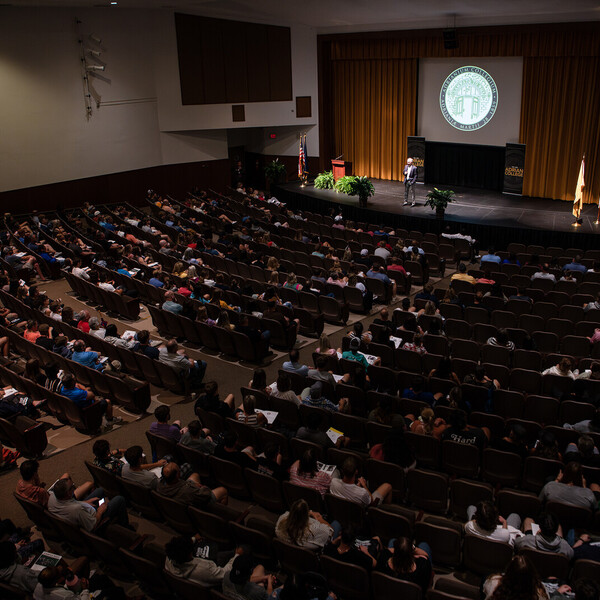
382, 251
354, 488
78, 271
544, 274
484, 521
303, 527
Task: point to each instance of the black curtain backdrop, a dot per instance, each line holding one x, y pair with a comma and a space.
465, 165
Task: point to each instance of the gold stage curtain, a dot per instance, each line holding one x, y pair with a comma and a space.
560, 121
374, 110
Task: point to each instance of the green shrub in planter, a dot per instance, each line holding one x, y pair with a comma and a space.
325, 181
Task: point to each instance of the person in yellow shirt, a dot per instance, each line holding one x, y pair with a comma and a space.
462, 275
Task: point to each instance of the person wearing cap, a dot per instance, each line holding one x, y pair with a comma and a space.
247, 581
354, 354
364, 259
312, 396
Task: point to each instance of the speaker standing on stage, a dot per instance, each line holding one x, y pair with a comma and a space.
410, 178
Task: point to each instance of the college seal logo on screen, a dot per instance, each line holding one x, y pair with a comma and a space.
469, 98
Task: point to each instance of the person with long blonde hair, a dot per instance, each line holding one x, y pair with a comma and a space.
325, 345
305, 528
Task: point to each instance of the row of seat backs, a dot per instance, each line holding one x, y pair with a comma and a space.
123, 305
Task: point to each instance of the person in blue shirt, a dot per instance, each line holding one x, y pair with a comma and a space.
86, 358
170, 305
83, 398
491, 257
378, 272
155, 281
575, 265
313, 396
294, 365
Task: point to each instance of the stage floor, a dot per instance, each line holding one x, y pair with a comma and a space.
477, 207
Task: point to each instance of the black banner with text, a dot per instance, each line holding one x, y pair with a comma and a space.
415, 148
514, 169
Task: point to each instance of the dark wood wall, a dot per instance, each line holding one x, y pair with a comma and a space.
130, 186
222, 62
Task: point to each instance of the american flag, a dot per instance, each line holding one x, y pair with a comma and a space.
301, 159
304, 155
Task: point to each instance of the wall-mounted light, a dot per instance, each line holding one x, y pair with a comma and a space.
95, 53
95, 38
94, 67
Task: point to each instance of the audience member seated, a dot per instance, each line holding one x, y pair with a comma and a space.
354, 488
426, 294
12, 572
162, 427
325, 346
248, 414
313, 396
501, 340
584, 452
83, 398
321, 373
575, 265
294, 365
587, 425
61, 348
562, 369
484, 521
108, 459
133, 470
283, 390
490, 257
270, 463
384, 413
209, 400
190, 370
379, 272
228, 449
197, 438
427, 424
305, 472
171, 305
247, 581
144, 346
86, 356
45, 338
548, 538
89, 513
459, 431
190, 491
515, 441
259, 381
347, 548
394, 449
519, 578
182, 563
462, 275
544, 273
401, 559
570, 488
31, 488
305, 528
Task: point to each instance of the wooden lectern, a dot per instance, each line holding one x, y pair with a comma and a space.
340, 168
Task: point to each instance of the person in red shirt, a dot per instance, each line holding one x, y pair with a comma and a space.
31, 488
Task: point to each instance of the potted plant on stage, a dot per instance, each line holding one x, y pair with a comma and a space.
363, 188
325, 181
274, 173
439, 200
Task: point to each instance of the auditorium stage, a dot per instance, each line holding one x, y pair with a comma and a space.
493, 217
